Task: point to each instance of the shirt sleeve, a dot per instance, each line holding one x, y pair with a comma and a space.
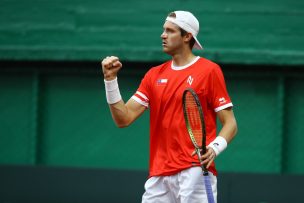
142, 94
218, 95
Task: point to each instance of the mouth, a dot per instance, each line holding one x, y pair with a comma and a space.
164, 43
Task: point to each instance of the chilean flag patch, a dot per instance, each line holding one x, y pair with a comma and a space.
162, 81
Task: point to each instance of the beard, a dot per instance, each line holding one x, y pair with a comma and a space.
172, 48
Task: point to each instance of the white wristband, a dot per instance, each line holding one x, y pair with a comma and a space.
219, 144
112, 91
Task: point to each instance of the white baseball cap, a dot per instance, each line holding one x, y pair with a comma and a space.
188, 22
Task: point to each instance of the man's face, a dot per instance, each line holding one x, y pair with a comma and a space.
172, 40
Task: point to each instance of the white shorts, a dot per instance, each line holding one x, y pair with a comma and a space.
185, 187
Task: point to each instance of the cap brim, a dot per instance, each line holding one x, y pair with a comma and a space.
197, 45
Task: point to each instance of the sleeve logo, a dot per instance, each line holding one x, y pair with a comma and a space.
222, 100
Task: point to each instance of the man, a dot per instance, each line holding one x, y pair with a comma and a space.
174, 172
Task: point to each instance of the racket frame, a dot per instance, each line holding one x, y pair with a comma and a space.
198, 149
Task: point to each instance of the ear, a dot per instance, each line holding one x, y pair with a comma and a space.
188, 37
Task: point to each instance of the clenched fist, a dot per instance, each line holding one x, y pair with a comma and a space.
110, 67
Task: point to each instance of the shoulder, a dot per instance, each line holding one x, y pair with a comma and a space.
159, 68
208, 67
208, 64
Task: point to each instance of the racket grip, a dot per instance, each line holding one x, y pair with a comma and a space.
208, 189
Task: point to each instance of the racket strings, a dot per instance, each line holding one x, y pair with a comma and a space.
194, 119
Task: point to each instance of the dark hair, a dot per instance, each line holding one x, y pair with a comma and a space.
192, 41
183, 32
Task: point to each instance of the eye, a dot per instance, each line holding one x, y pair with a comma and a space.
168, 30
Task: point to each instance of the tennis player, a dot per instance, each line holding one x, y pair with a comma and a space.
174, 171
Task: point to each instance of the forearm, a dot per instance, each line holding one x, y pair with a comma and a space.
229, 130
227, 133
229, 124
120, 114
117, 106
123, 113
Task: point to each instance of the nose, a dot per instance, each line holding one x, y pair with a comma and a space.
163, 35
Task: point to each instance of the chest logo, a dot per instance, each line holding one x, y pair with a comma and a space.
190, 80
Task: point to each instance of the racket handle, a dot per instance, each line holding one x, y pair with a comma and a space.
208, 189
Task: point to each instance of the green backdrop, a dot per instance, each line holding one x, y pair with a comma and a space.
58, 116
53, 110
235, 31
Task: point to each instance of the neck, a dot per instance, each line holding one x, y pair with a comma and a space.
182, 58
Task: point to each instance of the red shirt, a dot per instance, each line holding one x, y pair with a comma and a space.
161, 90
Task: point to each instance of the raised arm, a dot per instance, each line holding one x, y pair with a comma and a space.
123, 113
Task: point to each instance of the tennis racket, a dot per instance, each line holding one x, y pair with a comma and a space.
195, 124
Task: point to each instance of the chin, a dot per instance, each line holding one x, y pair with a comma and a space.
166, 50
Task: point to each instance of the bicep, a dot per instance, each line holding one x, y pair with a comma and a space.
125, 114
225, 115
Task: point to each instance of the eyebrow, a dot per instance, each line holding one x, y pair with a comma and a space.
170, 29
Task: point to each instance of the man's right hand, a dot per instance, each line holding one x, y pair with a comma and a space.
110, 67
